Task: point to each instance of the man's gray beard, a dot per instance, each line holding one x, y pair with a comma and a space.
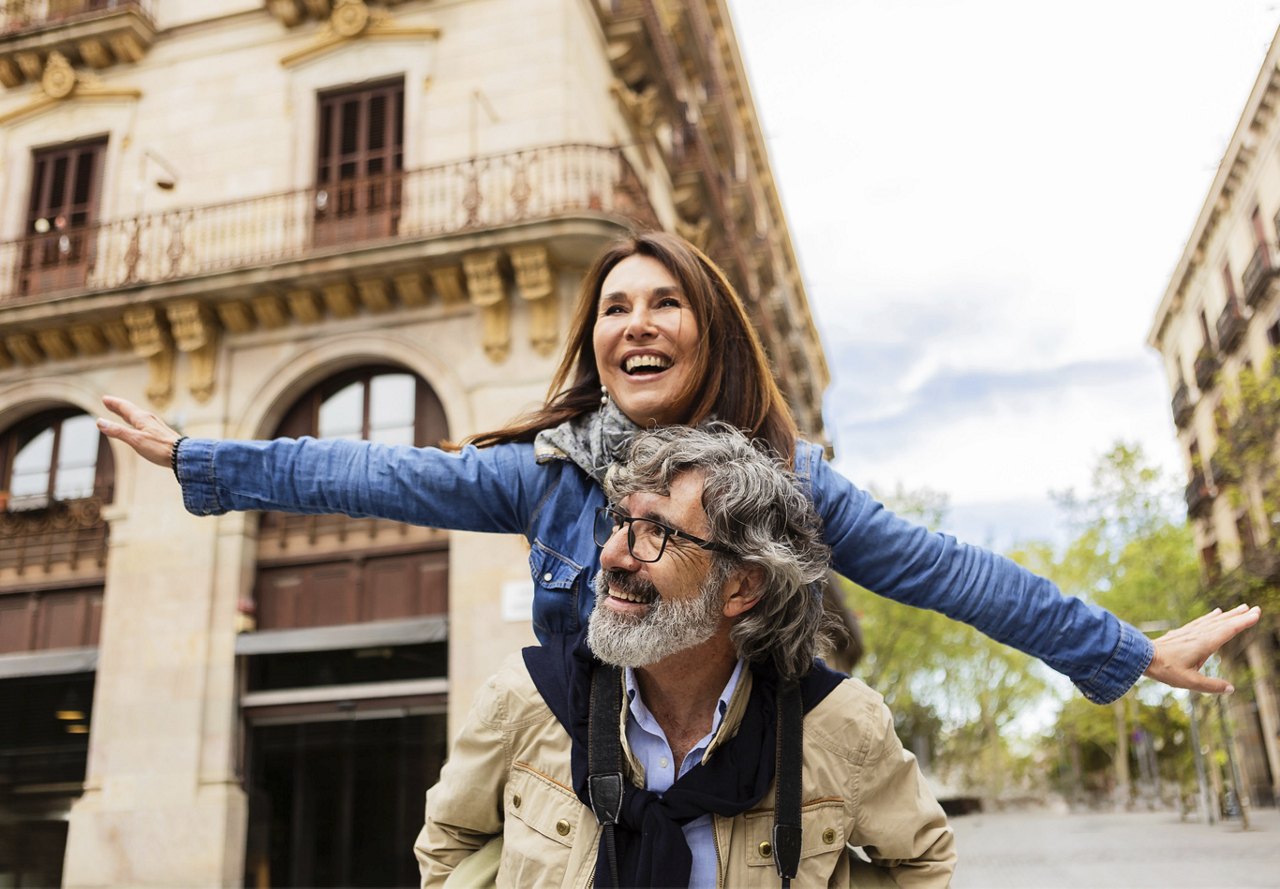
669, 625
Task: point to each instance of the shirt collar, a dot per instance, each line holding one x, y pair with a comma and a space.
645, 718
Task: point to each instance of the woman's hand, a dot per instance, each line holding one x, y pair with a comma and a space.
142, 430
1180, 653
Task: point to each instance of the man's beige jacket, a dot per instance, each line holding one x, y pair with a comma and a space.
509, 776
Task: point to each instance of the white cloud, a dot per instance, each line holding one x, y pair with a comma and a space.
989, 191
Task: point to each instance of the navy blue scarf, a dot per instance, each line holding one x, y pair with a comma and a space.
651, 847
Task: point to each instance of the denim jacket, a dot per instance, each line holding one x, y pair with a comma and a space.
545, 497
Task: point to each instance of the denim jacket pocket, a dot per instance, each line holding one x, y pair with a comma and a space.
556, 582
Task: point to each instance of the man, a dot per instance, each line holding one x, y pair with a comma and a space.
708, 600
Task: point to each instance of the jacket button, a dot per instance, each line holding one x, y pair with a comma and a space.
546, 578
562, 827
515, 800
765, 850
828, 835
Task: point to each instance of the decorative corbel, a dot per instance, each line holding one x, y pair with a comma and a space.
488, 293
537, 288
24, 349
340, 298
195, 329
58, 78
150, 340
88, 339
448, 283
55, 343
235, 316
409, 289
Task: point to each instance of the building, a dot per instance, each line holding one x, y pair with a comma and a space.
307, 216
1218, 328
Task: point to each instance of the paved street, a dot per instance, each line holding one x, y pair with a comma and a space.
1021, 850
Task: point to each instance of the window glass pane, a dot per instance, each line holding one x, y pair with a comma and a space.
396, 435
342, 414
391, 401
77, 458
31, 467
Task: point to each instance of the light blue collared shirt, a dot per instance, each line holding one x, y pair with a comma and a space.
650, 747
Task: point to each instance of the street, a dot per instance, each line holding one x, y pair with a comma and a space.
1041, 850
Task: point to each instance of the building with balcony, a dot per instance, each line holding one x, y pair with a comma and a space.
1217, 328
324, 217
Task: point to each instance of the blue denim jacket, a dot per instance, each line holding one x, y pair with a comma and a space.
552, 503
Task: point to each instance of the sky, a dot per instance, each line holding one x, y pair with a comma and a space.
988, 198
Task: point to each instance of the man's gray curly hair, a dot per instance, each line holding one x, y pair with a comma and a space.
757, 510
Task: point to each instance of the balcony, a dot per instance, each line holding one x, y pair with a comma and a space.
1257, 276
1206, 368
1182, 405
485, 193
92, 33
1223, 473
1231, 326
1199, 500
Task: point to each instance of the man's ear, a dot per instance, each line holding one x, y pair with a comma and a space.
742, 591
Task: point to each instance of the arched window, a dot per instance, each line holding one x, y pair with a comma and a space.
385, 404
55, 456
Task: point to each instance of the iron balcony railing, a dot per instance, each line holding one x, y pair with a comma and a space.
1231, 324
29, 15
453, 198
1256, 275
1182, 405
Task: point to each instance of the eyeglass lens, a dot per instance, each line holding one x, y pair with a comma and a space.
645, 538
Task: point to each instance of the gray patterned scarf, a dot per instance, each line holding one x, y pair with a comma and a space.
592, 441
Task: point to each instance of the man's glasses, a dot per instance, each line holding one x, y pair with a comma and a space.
646, 538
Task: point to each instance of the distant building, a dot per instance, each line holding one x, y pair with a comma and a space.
1220, 316
291, 217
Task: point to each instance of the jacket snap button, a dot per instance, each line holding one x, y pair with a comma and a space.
515, 800
765, 850
828, 835
562, 827
547, 577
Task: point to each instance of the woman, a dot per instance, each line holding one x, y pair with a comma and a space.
659, 337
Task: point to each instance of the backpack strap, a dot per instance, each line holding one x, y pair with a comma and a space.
786, 814
604, 757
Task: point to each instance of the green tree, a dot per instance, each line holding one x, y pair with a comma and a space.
953, 691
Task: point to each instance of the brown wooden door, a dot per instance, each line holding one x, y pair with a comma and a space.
61, 211
360, 163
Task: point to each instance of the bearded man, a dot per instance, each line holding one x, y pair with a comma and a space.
689, 737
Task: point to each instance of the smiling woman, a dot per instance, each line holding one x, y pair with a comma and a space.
659, 328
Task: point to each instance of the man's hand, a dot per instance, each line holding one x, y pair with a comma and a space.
1182, 652
145, 433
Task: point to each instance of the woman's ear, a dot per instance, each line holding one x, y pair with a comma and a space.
742, 591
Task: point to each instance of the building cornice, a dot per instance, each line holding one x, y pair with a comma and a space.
1255, 120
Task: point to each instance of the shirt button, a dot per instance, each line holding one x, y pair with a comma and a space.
546, 578
663, 762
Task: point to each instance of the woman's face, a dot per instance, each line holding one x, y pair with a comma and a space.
645, 340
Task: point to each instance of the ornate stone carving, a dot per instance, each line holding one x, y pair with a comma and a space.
88, 339
196, 332
10, 76
340, 299
375, 294
235, 316
55, 344
92, 51
448, 283
23, 347
117, 334
409, 289
270, 311
30, 63
304, 305
537, 287
488, 293
127, 47
59, 78
150, 340
349, 18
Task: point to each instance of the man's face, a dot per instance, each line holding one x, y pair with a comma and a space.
646, 611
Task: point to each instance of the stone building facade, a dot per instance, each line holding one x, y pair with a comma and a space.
297, 217
1217, 328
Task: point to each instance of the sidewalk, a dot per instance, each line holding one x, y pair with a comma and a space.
1033, 850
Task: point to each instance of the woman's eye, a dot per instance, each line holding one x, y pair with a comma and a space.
612, 310
669, 302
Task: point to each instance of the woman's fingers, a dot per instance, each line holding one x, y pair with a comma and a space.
141, 430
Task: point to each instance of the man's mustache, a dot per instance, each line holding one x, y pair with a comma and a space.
626, 582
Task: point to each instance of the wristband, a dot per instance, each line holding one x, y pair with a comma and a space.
173, 455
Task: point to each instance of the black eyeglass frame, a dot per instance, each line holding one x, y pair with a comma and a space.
619, 518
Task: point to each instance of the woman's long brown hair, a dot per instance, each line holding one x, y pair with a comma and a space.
731, 379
